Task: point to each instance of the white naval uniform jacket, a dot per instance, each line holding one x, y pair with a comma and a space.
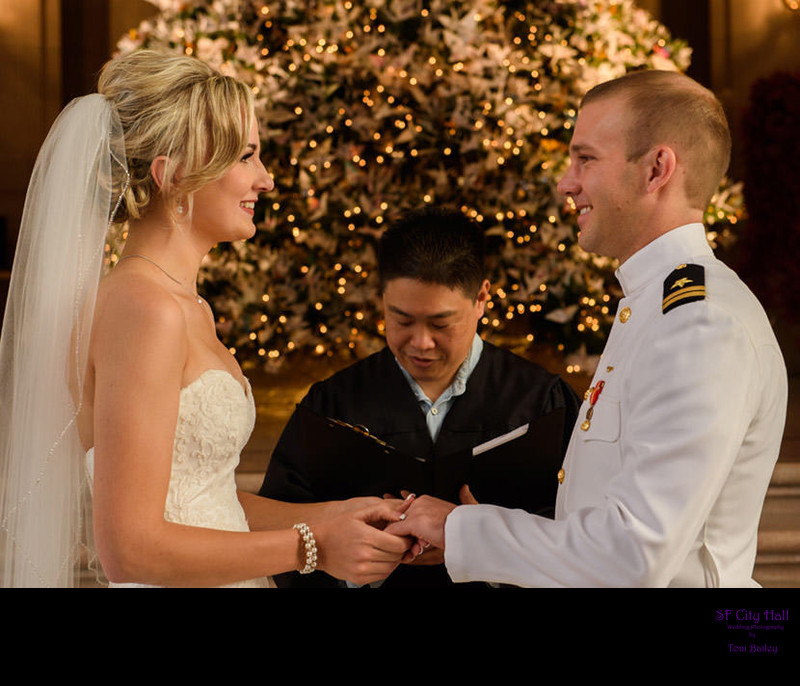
664, 483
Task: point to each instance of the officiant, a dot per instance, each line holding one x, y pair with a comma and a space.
437, 389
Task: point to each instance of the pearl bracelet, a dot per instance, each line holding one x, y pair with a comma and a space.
310, 545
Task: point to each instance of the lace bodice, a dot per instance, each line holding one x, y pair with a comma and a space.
215, 419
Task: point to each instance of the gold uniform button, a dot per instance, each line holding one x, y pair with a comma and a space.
625, 314
561, 475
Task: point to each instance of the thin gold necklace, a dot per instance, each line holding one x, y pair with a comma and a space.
195, 296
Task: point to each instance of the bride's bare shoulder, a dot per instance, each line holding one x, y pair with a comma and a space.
134, 302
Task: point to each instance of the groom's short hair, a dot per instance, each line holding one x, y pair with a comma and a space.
666, 107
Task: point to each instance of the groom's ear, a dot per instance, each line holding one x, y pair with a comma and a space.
661, 165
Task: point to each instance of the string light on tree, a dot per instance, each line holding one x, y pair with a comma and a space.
367, 109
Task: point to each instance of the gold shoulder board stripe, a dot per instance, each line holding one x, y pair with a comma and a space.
685, 284
698, 293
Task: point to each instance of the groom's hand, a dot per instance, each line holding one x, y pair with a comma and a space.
437, 511
424, 520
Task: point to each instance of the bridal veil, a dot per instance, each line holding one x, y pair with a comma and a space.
76, 186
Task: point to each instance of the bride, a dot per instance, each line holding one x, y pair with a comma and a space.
129, 372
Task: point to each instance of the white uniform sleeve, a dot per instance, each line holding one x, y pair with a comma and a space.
684, 410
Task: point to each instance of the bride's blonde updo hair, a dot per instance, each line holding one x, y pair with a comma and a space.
183, 109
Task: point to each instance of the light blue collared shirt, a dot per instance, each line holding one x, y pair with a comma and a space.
435, 412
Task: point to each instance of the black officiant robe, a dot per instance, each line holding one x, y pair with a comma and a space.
503, 393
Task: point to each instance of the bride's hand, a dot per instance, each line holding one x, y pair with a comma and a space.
353, 547
353, 505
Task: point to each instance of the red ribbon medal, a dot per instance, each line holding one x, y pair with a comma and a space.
593, 395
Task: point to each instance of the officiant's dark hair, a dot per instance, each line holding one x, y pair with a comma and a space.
434, 245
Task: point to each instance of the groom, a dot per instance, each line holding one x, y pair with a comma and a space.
669, 463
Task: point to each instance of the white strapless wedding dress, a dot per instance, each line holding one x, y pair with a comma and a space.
215, 419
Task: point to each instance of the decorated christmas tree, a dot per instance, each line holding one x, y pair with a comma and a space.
370, 108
